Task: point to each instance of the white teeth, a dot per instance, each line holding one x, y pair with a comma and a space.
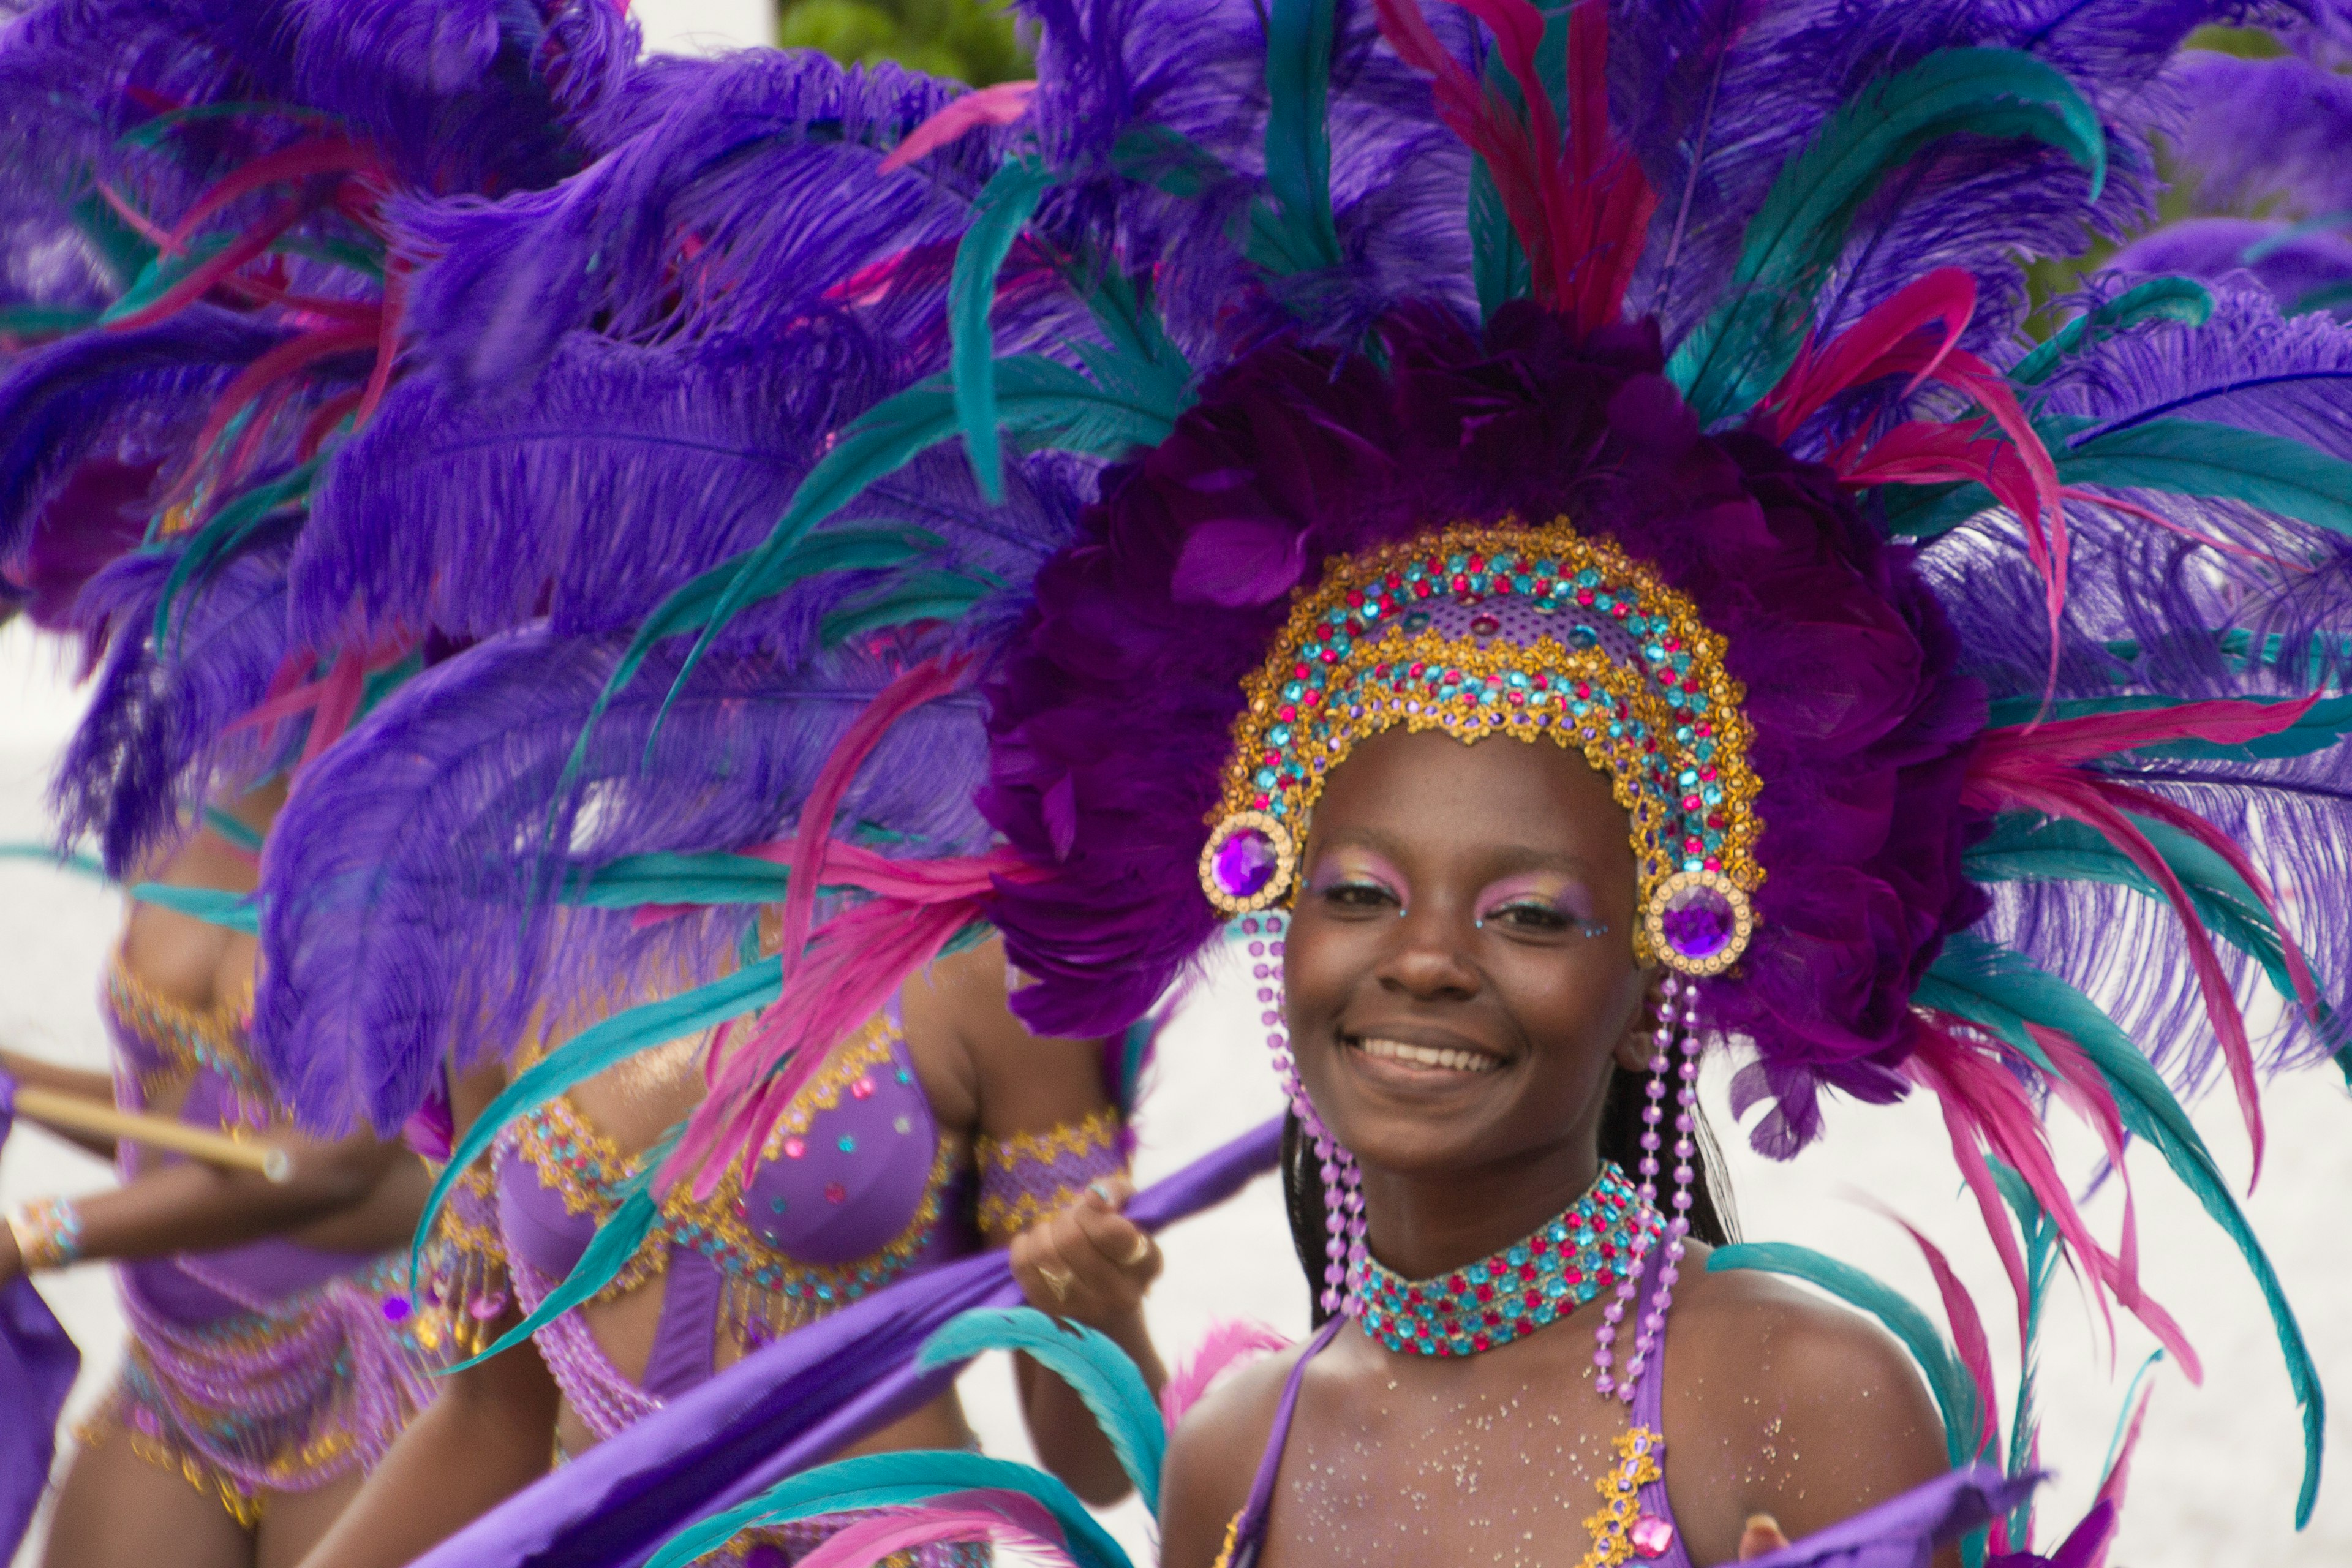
1428, 1055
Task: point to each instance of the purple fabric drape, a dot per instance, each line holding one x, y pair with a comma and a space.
784, 1407
37, 1362
1903, 1532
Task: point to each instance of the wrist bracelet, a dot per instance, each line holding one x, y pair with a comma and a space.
47, 1233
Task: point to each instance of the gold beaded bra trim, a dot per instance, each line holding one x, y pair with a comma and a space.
767, 1291
182, 1040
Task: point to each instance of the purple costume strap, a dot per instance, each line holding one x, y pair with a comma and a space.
1247, 1531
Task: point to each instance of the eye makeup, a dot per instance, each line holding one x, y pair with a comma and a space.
1351, 876
1541, 902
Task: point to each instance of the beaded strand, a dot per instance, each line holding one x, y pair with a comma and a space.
1677, 1022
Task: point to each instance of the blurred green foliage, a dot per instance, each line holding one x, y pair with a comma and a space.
2048, 280
971, 40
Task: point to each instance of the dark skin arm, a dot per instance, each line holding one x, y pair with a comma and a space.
984, 1070
489, 1432
81, 1082
338, 1192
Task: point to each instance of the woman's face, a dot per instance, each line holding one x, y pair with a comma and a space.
1460, 965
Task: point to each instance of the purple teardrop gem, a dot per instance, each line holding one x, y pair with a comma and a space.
1245, 863
1699, 922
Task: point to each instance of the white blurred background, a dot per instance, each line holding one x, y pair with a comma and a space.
2215, 1482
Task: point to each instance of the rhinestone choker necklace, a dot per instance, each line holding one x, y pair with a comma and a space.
1597, 1244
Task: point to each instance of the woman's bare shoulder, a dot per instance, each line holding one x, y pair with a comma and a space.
1213, 1457
1781, 1401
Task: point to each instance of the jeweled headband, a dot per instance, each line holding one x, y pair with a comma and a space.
1508, 631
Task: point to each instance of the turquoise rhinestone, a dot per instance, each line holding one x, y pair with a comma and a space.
847, 1145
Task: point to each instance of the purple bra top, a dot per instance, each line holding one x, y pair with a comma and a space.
159, 1043
1901, 1533
853, 1190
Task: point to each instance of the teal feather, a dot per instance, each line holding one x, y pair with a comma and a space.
47, 854
2122, 1418
635, 881
2042, 1255
1302, 235
1004, 204
1142, 364
2182, 299
2180, 456
1748, 343
602, 1044
1097, 1370
615, 1243
124, 251
2026, 847
1044, 404
1498, 262
690, 603
1947, 1380
222, 534
2198, 458
916, 597
2325, 723
1166, 159
230, 828
1999, 991
904, 1479
235, 911
160, 273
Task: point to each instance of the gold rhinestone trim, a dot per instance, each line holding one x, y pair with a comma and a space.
1372, 686
1621, 1497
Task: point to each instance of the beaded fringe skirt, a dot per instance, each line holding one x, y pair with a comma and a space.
284, 1398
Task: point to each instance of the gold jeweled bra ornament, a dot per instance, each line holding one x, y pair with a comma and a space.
1508, 631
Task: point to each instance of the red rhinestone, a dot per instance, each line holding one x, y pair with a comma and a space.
794, 1148
1621, 609
1483, 1342
862, 1090
835, 1192
1485, 1293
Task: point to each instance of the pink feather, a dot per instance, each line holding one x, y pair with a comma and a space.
1229, 1342
302, 160
912, 689
1980, 1098
1968, 1332
871, 1538
2118, 1477
2037, 768
1581, 210
851, 970
1858, 354
200, 279
999, 105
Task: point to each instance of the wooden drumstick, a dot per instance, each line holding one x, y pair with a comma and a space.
71, 1110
